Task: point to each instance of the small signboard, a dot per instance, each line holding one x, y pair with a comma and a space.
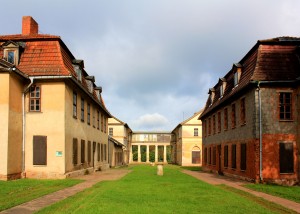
58, 153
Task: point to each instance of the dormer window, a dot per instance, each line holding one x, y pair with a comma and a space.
78, 65
11, 52
222, 86
212, 95
98, 92
237, 74
90, 83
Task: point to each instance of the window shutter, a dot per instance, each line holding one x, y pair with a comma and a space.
39, 150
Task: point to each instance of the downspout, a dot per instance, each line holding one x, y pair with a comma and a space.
24, 124
260, 132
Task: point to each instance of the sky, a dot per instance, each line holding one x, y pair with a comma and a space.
156, 59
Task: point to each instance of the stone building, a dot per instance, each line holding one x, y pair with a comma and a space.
251, 120
54, 121
188, 142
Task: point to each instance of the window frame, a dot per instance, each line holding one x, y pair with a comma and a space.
75, 151
243, 156
35, 98
88, 114
82, 152
225, 119
196, 132
243, 111
233, 116
75, 104
226, 156
39, 150
82, 110
285, 105
285, 168
233, 156
219, 122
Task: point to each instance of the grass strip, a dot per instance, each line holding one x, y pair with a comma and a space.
288, 192
17, 192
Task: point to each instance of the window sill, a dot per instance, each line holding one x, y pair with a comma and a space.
75, 117
286, 120
243, 124
39, 165
287, 173
243, 170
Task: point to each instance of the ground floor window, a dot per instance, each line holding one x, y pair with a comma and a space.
98, 151
89, 152
39, 150
134, 149
205, 156
214, 156
209, 155
286, 157
195, 157
82, 149
75, 151
226, 156
233, 156
243, 156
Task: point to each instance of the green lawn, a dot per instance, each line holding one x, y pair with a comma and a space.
142, 191
16, 192
291, 193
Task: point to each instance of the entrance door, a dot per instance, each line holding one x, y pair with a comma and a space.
219, 167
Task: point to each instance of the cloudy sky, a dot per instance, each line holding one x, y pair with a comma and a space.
156, 59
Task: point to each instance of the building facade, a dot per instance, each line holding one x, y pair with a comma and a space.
188, 142
251, 121
120, 133
154, 147
55, 118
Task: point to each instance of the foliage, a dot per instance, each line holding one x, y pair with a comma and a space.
16, 192
288, 192
142, 191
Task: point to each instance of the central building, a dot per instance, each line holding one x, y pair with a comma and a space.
152, 147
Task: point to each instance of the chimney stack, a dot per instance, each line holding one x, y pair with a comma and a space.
29, 26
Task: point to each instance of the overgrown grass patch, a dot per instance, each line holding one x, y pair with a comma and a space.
288, 192
16, 192
142, 191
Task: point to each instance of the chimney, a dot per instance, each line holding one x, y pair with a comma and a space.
29, 26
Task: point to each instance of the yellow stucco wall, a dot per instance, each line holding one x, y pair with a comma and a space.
4, 112
56, 121
11, 125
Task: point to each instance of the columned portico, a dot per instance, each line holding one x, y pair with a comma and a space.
150, 147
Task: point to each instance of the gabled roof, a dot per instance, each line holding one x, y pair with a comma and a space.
195, 115
121, 122
274, 59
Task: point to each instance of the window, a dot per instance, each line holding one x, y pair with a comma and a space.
98, 118
82, 109
219, 121
226, 156
221, 91
105, 124
243, 156
82, 151
209, 126
233, 156
11, 57
214, 124
209, 155
98, 152
195, 132
195, 157
102, 153
39, 150
225, 119
75, 104
35, 98
236, 78
205, 156
285, 106
286, 157
75, 151
243, 112
89, 114
111, 131
102, 122
233, 116
94, 115
89, 152
214, 155
105, 152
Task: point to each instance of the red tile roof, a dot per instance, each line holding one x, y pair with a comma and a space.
274, 59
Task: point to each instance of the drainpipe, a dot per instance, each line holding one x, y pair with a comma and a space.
24, 124
260, 132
